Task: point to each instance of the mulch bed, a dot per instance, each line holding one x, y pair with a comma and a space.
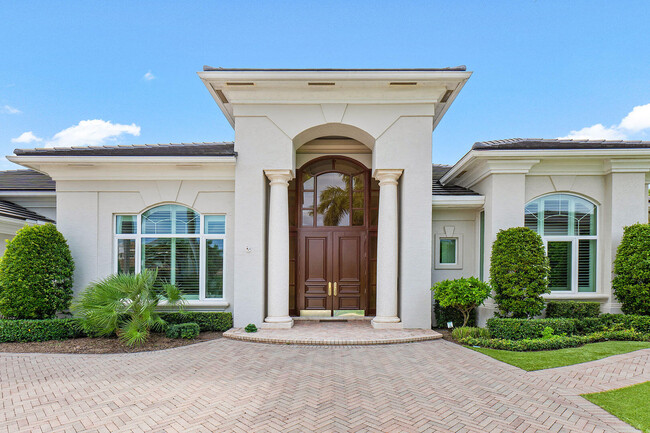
446, 335
103, 345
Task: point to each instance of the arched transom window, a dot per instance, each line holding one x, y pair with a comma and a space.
186, 247
568, 226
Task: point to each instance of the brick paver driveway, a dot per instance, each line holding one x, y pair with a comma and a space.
226, 385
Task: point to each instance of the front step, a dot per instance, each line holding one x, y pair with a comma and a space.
331, 318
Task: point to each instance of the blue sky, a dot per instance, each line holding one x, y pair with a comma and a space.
541, 68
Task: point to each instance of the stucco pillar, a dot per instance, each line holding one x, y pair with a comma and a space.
387, 250
278, 251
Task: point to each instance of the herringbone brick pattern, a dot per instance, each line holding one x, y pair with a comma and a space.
226, 385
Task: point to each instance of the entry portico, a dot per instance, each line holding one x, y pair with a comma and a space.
384, 120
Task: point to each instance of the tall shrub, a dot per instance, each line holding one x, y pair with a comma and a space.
519, 272
631, 283
36, 274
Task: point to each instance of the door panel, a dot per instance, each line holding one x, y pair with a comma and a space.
349, 270
314, 271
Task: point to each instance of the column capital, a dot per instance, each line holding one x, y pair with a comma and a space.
387, 176
279, 176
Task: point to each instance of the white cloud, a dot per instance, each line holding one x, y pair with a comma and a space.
10, 110
91, 133
596, 132
637, 120
26, 137
148, 76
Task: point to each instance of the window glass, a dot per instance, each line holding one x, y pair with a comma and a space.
333, 199
214, 268
126, 224
559, 255
447, 251
215, 224
177, 261
587, 265
126, 256
170, 219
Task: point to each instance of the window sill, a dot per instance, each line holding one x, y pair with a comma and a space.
196, 305
576, 296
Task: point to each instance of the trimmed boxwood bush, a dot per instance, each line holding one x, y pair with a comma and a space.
38, 330
183, 330
36, 274
519, 329
572, 309
555, 342
448, 314
628, 321
207, 321
631, 284
519, 272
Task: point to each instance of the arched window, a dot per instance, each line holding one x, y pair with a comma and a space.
568, 226
334, 193
186, 248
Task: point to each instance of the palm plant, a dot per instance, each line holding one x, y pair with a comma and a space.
125, 305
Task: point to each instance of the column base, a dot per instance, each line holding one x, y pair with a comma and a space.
277, 323
387, 323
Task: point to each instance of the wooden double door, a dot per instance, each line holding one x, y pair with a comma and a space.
332, 271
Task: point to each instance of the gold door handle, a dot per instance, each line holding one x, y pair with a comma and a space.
329, 289
335, 289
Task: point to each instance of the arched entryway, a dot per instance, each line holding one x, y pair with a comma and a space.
333, 213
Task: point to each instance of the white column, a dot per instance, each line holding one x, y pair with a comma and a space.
387, 249
278, 251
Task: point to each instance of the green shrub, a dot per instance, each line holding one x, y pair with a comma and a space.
519, 329
463, 294
39, 330
590, 325
519, 272
555, 342
469, 331
631, 283
36, 274
124, 304
444, 315
572, 309
188, 331
250, 328
208, 321
629, 321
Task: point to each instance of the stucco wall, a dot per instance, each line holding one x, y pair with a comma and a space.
86, 209
464, 223
3, 242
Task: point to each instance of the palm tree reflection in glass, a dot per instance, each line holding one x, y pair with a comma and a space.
334, 199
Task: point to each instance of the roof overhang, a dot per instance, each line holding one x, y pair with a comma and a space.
130, 167
476, 164
458, 201
230, 88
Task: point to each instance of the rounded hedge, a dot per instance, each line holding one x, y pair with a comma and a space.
36, 274
519, 272
631, 284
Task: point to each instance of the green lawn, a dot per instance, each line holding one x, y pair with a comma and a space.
530, 361
630, 404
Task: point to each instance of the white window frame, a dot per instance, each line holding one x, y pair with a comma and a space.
459, 252
574, 239
138, 236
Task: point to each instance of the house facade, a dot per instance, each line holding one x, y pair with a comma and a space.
327, 204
